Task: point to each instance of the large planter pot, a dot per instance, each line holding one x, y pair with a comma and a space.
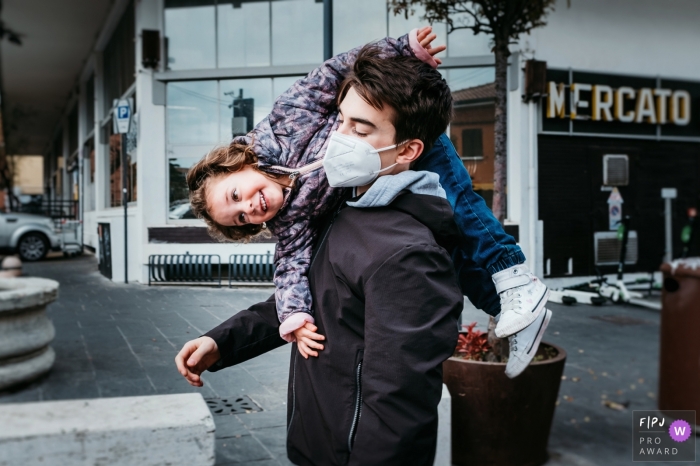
499, 421
25, 330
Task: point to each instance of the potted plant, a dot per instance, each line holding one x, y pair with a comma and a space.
497, 420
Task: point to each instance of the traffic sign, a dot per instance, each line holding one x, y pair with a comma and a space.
122, 115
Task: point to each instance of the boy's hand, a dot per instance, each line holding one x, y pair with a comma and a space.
425, 38
306, 340
195, 357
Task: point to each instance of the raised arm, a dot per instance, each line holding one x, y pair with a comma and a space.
317, 91
412, 304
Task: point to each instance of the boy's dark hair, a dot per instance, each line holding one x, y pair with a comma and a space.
418, 94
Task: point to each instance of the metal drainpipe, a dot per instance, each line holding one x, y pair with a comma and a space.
327, 29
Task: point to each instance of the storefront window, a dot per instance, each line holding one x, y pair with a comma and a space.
193, 112
202, 114
89, 175
243, 34
472, 127
115, 171
357, 22
230, 34
302, 22
190, 26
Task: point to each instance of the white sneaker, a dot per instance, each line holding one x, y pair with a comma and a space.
524, 344
523, 297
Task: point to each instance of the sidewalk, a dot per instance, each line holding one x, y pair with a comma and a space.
121, 340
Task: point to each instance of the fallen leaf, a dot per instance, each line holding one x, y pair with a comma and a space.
604, 374
651, 395
575, 379
615, 406
591, 371
633, 386
580, 351
568, 398
586, 419
556, 403
556, 333
640, 381
620, 392
563, 377
573, 421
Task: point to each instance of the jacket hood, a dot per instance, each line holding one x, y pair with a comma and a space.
418, 194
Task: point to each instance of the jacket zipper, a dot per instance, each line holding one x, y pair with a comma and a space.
358, 407
294, 173
294, 392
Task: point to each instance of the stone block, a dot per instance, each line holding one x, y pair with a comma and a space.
142, 430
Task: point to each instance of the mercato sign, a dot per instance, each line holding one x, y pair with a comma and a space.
601, 102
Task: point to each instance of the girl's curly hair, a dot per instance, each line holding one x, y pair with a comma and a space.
220, 161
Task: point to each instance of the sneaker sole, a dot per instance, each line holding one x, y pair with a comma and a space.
515, 327
522, 365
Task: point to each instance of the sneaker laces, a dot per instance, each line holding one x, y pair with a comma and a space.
510, 300
513, 344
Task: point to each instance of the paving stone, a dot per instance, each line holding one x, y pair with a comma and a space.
241, 450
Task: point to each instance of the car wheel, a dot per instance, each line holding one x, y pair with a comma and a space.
32, 247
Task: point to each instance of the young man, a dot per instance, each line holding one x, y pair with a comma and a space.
386, 297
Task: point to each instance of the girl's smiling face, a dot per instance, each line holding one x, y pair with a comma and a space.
243, 197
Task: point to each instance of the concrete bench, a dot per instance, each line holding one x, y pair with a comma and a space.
128, 431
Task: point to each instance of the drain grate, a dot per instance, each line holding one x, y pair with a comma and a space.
242, 404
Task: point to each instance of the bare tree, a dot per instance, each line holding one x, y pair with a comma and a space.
504, 21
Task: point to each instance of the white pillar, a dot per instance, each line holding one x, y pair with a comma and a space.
152, 173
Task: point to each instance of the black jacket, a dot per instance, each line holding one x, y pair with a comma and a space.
387, 299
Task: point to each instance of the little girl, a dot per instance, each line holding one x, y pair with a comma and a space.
273, 179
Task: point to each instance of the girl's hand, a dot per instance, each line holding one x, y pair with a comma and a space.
306, 340
425, 38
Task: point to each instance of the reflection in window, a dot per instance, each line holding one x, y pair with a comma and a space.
243, 34
89, 174
357, 22
399, 25
249, 101
190, 29
472, 127
179, 204
115, 172
192, 112
297, 27
472, 144
204, 34
464, 43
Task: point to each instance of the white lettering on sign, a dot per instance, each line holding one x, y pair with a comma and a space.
624, 104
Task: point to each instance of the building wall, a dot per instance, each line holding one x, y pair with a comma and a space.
28, 173
633, 37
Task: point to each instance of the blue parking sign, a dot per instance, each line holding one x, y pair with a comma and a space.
122, 116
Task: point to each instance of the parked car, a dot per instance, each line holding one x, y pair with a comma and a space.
31, 236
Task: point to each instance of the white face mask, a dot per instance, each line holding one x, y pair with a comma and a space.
352, 162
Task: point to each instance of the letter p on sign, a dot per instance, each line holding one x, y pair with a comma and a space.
122, 115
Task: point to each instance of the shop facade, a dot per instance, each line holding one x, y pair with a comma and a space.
219, 65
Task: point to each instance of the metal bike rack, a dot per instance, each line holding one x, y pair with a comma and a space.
184, 269
249, 268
